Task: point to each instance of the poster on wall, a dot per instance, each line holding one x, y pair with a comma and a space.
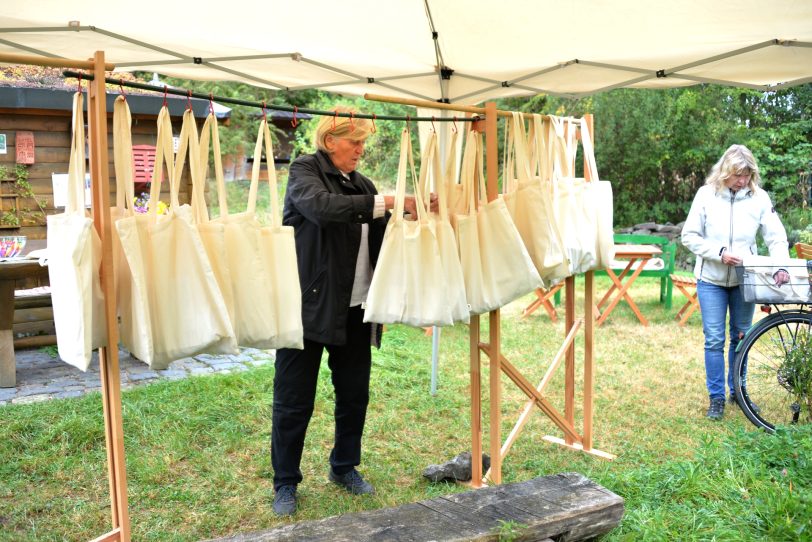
3, 148
60, 184
25, 147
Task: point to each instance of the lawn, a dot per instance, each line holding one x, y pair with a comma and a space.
198, 461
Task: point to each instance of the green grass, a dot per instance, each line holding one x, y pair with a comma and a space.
198, 461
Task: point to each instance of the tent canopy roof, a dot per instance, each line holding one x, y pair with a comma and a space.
460, 51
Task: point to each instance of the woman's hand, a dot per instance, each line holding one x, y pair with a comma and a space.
730, 259
781, 277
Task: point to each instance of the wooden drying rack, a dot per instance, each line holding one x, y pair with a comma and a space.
108, 355
493, 348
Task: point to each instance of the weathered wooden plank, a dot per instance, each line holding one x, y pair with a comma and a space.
38, 314
563, 507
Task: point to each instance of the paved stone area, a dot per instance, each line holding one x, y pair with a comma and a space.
41, 377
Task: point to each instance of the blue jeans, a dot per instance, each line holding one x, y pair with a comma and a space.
715, 301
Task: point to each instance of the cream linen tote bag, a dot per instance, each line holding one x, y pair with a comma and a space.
74, 257
278, 252
575, 222
171, 273
529, 205
452, 278
407, 284
134, 323
495, 264
599, 201
234, 245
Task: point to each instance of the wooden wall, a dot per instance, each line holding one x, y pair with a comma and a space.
52, 139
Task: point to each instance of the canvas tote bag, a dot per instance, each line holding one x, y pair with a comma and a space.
233, 244
171, 273
278, 254
74, 257
495, 264
452, 278
528, 204
575, 221
599, 201
133, 315
406, 286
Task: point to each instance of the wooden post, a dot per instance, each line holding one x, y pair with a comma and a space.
589, 328
492, 175
476, 403
108, 356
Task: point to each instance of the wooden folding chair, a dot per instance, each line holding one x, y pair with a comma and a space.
543, 297
683, 284
803, 250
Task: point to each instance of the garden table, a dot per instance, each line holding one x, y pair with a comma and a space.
635, 254
11, 271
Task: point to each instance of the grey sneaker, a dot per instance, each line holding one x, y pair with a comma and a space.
284, 501
352, 482
716, 409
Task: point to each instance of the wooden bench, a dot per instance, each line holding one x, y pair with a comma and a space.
685, 284
565, 506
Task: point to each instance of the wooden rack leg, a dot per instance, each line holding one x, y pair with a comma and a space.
476, 405
569, 366
589, 351
108, 356
495, 432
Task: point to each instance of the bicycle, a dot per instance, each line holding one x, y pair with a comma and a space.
772, 376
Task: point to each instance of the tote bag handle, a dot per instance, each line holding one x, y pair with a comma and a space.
264, 135
164, 153
123, 155
406, 159
211, 134
189, 142
430, 164
75, 203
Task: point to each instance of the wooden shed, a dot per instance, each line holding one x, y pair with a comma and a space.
39, 119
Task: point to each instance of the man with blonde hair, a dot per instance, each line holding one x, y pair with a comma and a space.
339, 221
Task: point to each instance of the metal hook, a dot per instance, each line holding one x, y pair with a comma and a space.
211, 103
264, 112
454, 126
335, 117
165, 91
294, 122
434, 128
189, 100
121, 88
374, 128
352, 121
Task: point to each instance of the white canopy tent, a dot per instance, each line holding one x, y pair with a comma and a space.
462, 52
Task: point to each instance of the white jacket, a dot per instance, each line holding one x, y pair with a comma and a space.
729, 220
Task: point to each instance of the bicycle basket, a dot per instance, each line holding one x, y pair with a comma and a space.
758, 285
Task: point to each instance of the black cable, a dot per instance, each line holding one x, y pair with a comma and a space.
260, 105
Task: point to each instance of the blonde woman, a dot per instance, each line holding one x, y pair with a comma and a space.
339, 221
721, 228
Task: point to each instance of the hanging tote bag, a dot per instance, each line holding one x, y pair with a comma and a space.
452, 278
171, 273
575, 222
134, 321
406, 286
278, 252
527, 204
233, 244
74, 257
495, 264
599, 202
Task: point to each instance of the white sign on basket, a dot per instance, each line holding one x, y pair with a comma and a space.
60, 184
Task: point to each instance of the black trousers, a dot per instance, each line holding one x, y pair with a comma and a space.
294, 394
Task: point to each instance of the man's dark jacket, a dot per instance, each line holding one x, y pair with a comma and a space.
326, 211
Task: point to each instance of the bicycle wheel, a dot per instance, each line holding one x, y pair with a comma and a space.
766, 386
